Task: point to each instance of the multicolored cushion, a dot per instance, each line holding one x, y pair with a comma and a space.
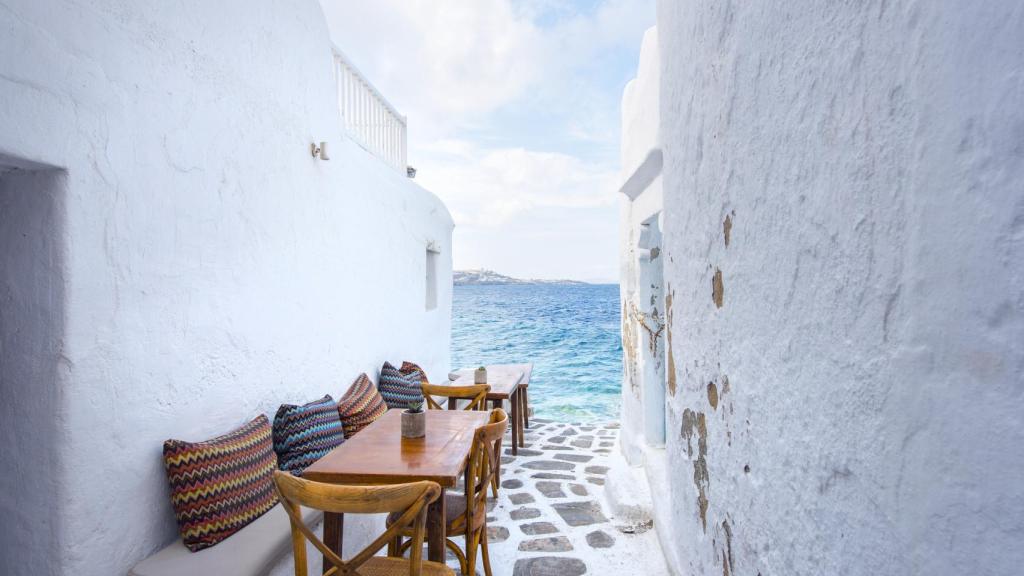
221, 485
409, 368
304, 434
360, 406
398, 389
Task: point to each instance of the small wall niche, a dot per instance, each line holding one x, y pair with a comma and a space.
431, 278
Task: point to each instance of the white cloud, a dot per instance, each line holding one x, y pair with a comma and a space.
455, 66
527, 213
489, 187
448, 63
445, 63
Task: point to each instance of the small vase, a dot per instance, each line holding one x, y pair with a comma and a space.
480, 376
414, 424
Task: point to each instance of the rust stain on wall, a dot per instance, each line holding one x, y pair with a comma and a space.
727, 565
629, 345
671, 354
696, 423
713, 395
717, 290
727, 229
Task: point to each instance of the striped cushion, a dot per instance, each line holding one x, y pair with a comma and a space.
360, 406
408, 368
304, 434
221, 485
398, 389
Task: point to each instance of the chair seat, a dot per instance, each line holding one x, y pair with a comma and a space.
383, 566
455, 508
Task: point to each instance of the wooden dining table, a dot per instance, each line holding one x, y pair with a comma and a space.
508, 382
379, 455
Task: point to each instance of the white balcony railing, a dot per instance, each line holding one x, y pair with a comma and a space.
368, 117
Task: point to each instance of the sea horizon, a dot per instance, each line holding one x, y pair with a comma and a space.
570, 332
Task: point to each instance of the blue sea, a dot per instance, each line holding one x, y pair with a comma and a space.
569, 331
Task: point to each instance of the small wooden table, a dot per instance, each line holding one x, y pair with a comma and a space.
379, 455
508, 382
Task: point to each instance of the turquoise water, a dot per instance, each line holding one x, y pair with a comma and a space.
569, 331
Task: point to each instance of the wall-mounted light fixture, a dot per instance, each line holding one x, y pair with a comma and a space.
319, 151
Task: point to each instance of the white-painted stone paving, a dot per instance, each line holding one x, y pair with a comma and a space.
550, 517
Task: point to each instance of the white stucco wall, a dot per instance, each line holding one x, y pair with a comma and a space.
212, 269
853, 404
640, 111
640, 118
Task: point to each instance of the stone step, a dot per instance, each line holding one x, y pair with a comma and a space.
627, 493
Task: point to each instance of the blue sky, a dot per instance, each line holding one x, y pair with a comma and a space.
513, 109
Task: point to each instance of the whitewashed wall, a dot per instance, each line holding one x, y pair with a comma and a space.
853, 404
211, 269
640, 118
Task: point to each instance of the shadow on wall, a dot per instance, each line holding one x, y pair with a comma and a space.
31, 332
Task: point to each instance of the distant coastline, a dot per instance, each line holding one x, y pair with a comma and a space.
492, 278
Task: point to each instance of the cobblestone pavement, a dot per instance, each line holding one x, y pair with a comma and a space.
550, 518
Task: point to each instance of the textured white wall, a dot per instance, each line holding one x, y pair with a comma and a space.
640, 118
853, 405
640, 109
213, 269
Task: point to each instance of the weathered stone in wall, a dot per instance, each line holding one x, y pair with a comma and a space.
717, 289
696, 423
669, 314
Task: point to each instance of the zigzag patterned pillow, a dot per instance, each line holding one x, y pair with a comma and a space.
409, 368
304, 434
360, 406
221, 485
398, 389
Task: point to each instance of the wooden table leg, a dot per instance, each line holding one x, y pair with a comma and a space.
334, 527
526, 408
436, 528
514, 404
522, 415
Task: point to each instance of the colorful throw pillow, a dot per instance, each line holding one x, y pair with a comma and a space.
398, 389
360, 406
304, 434
409, 368
221, 485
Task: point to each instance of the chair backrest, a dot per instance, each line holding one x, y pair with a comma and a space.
411, 499
477, 394
483, 462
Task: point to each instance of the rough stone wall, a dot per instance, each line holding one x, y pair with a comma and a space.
212, 268
844, 220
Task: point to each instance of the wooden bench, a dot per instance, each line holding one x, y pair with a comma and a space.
252, 551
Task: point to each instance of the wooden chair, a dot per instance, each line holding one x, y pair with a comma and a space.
477, 394
406, 502
467, 513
